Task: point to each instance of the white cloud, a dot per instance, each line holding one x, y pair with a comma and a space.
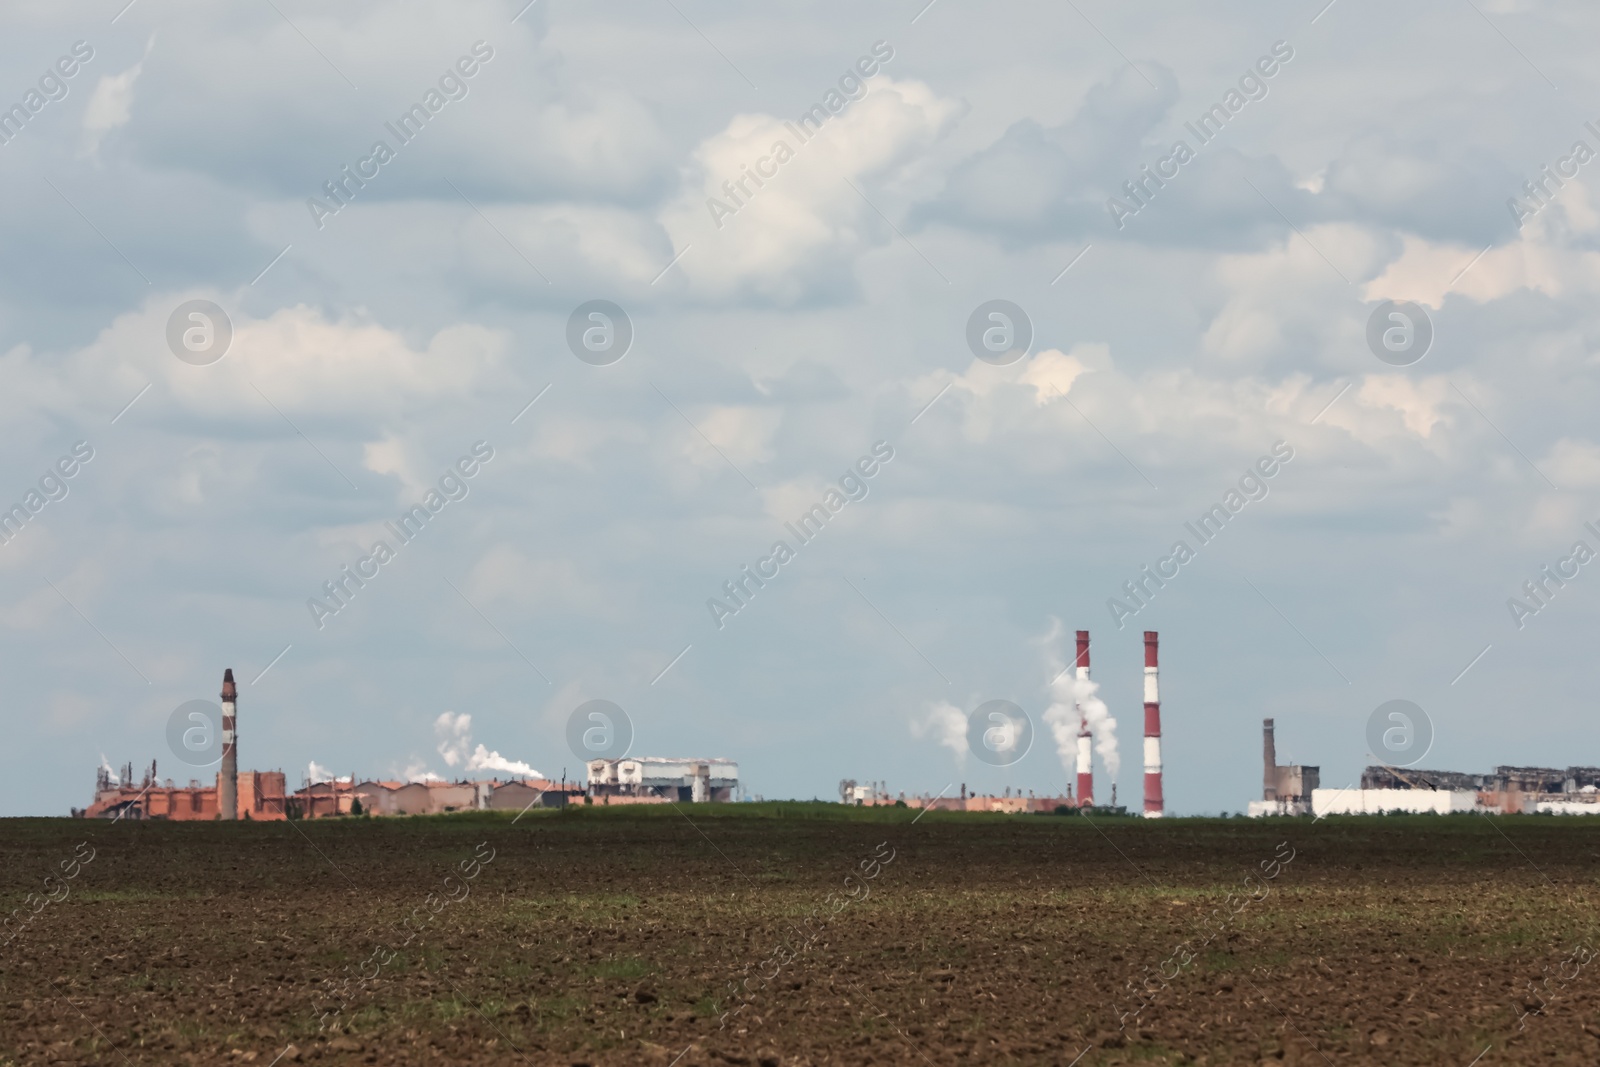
801, 331
1572, 463
1541, 259
518, 579
802, 228
1418, 401
296, 357
111, 105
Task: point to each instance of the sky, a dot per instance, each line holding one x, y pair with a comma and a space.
359, 348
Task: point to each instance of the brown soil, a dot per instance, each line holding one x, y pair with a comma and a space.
618, 937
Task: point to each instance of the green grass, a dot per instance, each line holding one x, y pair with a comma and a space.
622, 968
130, 896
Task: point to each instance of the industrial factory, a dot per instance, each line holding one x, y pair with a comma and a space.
1296, 790
653, 779
1507, 791
261, 795
1286, 790
116, 797
876, 795
1077, 751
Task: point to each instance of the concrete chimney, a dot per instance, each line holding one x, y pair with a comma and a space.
1269, 756
1154, 806
1085, 764
228, 777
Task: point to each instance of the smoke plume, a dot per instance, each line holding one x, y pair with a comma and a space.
1072, 700
417, 771
947, 726
317, 774
455, 738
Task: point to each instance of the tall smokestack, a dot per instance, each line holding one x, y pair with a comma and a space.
1154, 807
1269, 756
228, 777
1085, 767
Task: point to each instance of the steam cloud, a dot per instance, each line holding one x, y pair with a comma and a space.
948, 727
1067, 697
455, 737
317, 774
417, 771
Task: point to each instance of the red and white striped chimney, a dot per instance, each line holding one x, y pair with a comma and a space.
1154, 807
1085, 766
228, 776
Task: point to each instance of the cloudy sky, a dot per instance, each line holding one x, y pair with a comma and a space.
781, 332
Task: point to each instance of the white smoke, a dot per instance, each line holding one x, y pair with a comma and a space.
317, 774
455, 734
1101, 724
947, 726
417, 771
484, 760
1072, 700
455, 739
111, 775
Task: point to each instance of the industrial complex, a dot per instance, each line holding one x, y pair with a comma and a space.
1287, 789
262, 795
1508, 790
1296, 790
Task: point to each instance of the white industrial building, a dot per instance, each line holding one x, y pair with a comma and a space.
1382, 801
696, 780
1588, 803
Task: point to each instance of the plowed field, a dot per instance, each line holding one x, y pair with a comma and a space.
801, 934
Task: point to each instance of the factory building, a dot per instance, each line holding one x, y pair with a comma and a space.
864, 795
1008, 802
1296, 790
534, 792
344, 796
1508, 790
259, 795
654, 777
1383, 801
1286, 789
235, 795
